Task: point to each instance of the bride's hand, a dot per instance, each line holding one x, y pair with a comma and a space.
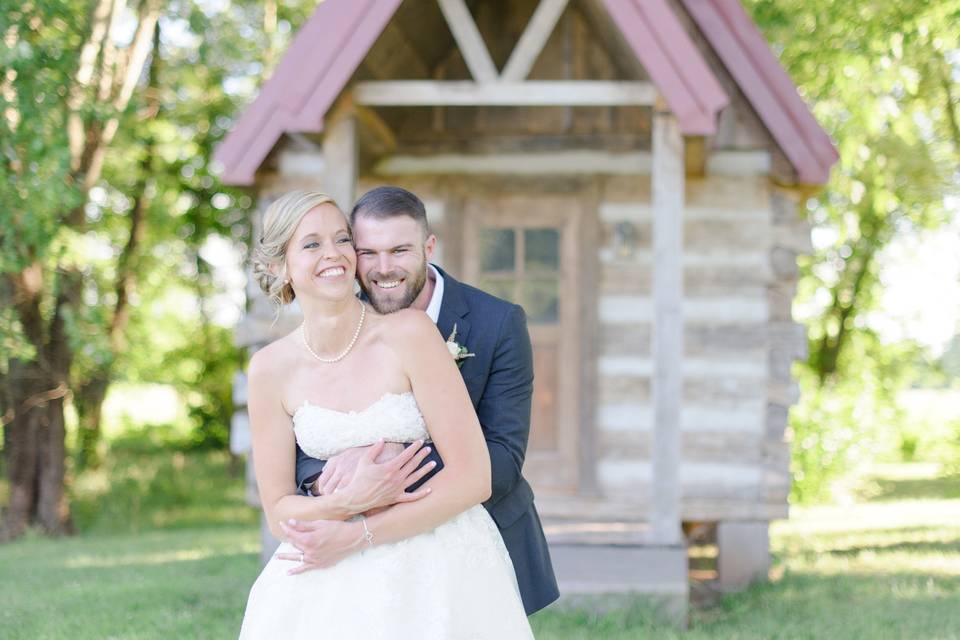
385, 483
321, 543
339, 470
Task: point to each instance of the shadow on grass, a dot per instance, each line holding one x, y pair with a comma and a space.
621, 618
888, 490
913, 540
926, 547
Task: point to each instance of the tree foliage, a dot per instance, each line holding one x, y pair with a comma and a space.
112, 219
884, 79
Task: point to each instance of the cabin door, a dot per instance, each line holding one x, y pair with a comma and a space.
524, 249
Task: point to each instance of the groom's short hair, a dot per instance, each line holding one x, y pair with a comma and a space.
388, 202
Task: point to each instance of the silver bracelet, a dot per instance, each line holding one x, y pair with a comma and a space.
367, 534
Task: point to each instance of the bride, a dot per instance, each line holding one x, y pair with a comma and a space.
433, 564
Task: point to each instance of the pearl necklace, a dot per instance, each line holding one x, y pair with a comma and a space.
343, 354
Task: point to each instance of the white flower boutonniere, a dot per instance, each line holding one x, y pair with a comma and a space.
457, 350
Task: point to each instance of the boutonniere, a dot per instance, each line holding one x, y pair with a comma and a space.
457, 350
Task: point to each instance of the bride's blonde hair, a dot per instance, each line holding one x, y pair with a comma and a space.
269, 259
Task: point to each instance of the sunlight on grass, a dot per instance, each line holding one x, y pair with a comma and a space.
182, 555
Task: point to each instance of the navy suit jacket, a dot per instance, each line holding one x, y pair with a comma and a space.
499, 379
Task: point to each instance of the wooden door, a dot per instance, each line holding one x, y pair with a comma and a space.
524, 249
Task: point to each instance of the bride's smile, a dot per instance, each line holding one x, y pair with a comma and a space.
321, 260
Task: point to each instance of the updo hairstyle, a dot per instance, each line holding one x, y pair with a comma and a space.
270, 250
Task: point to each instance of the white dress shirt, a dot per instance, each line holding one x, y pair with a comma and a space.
433, 308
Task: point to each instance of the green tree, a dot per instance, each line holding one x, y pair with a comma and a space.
64, 91
111, 110
884, 79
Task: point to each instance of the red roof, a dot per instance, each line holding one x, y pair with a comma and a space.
672, 61
336, 38
748, 58
324, 54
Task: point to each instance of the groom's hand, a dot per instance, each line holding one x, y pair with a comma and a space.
339, 470
380, 484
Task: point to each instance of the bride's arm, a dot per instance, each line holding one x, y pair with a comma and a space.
274, 457
445, 404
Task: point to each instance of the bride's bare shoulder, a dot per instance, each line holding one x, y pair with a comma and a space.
405, 325
404, 330
275, 358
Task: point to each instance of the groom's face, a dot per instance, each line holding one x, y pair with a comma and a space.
392, 256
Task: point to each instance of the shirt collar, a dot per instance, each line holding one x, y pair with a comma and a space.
433, 308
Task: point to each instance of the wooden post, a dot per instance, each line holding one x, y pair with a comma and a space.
667, 336
340, 157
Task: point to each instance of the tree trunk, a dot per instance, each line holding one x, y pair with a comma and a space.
22, 447
53, 511
88, 402
36, 459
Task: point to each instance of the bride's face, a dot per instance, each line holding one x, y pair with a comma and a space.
321, 260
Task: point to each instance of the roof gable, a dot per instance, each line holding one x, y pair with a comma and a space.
749, 60
322, 57
334, 41
672, 60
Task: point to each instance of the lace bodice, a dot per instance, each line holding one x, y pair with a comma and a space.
322, 432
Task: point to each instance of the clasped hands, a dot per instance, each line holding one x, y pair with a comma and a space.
365, 480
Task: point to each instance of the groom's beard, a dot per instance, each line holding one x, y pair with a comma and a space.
385, 302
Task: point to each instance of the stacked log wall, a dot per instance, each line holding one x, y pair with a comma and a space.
741, 239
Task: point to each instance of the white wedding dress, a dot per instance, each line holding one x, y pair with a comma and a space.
453, 582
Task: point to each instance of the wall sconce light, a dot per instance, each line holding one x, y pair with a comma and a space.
624, 239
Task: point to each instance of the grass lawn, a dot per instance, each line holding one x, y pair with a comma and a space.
885, 566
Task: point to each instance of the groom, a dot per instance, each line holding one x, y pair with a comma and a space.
394, 246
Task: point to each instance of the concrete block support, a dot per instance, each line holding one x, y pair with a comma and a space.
743, 553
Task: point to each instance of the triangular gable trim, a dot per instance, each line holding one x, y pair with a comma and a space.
319, 63
768, 88
673, 62
333, 42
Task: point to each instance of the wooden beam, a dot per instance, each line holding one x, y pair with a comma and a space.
667, 335
341, 157
739, 163
469, 40
534, 37
408, 93
559, 163
370, 121
695, 155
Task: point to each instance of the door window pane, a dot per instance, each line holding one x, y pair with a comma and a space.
542, 248
541, 300
497, 250
505, 289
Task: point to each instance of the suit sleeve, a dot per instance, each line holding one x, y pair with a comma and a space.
307, 470
504, 408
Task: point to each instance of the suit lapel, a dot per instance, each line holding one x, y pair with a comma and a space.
453, 310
